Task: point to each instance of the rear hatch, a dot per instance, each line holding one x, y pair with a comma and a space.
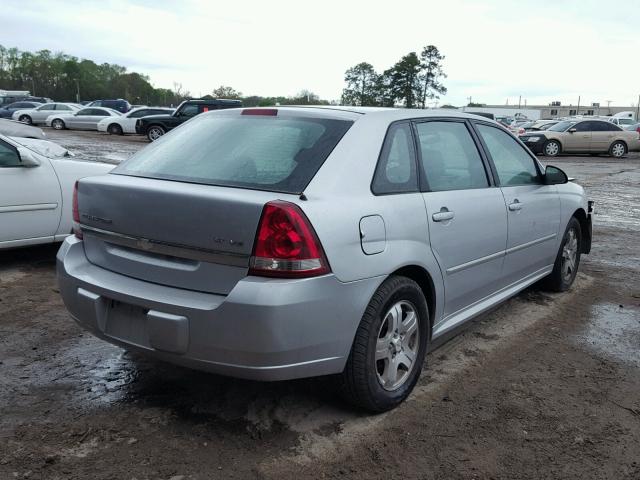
184, 211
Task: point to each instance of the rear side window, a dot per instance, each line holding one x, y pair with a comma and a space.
396, 169
280, 154
513, 164
450, 158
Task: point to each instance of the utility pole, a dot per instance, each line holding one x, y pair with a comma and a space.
77, 91
608, 107
519, 101
578, 110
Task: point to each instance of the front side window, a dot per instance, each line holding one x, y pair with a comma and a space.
396, 169
280, 154
189, 111
513, 164
562, 126
584, 126
8, 156
450, 159
47, 107
65, 108
85, 112
138, 113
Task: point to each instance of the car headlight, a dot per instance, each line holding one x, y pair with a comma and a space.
533, 139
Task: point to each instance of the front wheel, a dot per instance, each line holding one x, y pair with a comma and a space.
618, 149
25, 119
155, 132
58, 124
567, 261
552, 148
389, 347
114, 129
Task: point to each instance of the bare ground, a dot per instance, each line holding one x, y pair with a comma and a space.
546, 386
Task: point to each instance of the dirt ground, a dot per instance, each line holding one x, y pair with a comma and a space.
545, 386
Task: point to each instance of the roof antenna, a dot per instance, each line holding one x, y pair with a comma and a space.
303, 196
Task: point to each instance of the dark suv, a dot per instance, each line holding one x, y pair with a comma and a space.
120, 105
154, 126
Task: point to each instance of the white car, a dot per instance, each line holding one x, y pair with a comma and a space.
39, 115
13, 128
127, 122
36, 193
84, 119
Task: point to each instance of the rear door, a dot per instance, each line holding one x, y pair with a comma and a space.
30, 199
603, 135
466, 212
533, 209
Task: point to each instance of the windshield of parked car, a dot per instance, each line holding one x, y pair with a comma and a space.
562, 126
259, 152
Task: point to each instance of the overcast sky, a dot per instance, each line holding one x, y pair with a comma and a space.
496, 50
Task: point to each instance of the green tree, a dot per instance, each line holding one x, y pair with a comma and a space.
404, 80
362, 84
226, 92
431, 65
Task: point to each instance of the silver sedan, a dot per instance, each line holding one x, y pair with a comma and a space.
288, 242
84, 119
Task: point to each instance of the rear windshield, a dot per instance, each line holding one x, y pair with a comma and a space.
280, 154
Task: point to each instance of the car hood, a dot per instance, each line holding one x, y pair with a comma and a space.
157, 117
45, 148
11, 128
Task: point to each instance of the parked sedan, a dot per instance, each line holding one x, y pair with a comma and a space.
39, 115
83, 119
7, 111
582, 136
37, 178
127, 123
252, 250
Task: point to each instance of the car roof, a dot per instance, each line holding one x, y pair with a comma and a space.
391, 113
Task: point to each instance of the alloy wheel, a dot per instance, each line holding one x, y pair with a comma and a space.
569, 255
155, 133
397, 345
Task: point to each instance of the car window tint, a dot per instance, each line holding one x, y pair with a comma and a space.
611, 127
584, 126
48, 107
189, 110
98, 112
8, 156
258, 152
450, 158
139, 113
396, 169
513, 164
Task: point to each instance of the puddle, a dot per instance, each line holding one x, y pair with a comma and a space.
614, 332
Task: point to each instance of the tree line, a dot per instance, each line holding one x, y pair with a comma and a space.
412, 81
67, 78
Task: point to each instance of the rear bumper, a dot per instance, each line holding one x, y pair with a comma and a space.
265, 329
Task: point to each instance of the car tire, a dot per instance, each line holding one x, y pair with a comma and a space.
154, 132
618, 149
552, 148
394, 331
114, 129
58, 124
25, 119
567, 261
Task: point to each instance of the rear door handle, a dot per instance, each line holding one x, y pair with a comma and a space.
515, 206
443, 215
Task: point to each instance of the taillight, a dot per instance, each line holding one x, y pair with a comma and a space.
76, 212
286, 245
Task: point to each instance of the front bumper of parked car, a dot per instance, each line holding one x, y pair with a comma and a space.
264, 329
534, 142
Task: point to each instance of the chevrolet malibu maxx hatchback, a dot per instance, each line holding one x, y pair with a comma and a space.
279, 243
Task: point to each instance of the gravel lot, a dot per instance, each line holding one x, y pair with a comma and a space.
545, 386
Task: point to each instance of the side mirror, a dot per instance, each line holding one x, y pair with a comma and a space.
28, 158
573, 130
554, 176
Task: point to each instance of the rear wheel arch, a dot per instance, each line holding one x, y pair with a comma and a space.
422, 277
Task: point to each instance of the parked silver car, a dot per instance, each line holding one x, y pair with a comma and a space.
39, 115
83, 119
278, 243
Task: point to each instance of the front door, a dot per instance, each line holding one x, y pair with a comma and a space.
30, 200
533, 209
466, 213
578, 140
